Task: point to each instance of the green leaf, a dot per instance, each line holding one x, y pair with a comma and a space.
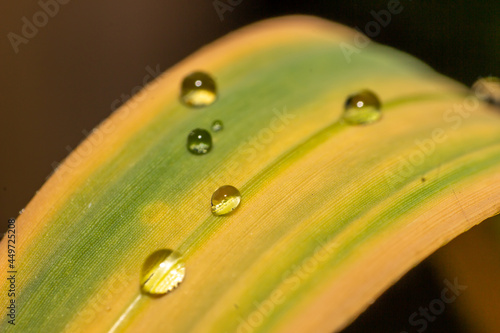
331, 214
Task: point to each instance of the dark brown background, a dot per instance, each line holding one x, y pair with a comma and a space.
62, 83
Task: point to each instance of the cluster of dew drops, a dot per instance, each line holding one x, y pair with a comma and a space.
164, 269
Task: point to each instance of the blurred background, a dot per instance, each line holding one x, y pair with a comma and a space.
65, 74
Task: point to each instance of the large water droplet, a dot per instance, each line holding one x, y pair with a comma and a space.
362, 108
199, 141
198, 89
225, 199
162, 271
217, 126
487, 89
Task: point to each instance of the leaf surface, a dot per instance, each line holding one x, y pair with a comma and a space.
331, 214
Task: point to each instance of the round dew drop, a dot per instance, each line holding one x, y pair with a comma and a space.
487, 89
198, 89
362, 108
217, 126
225, 199
199, 141
162, 271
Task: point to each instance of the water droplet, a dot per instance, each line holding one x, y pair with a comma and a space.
21, 211
198, 89
487, 89
362, 108
225, 199
217, 126
199, 141
162, 271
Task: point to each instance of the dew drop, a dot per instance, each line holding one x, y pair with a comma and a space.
217, 126
225, 199
362, 108
199, 141
487, 89
198, 89
162, 271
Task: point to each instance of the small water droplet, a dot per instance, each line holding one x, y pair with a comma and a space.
21, 211
225, 199
198, 89
487, 89
199, 141
217, 126
362, 108
162, 271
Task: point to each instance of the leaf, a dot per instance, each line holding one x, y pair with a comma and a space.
331, 214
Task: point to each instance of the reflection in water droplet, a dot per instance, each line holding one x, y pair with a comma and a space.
362, 108
225, 199
217, 126
487, 89
198, 89
162, 271
199, 141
